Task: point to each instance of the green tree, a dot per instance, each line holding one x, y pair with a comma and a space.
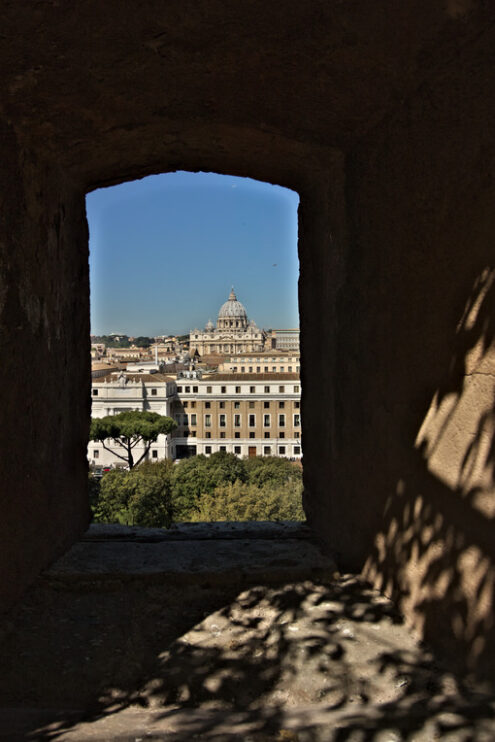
240, 501
198, 475
141, 497
265, 470
128, 429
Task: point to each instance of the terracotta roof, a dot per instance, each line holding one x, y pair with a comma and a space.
99, 365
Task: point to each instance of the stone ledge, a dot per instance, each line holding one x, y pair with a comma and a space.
218, 554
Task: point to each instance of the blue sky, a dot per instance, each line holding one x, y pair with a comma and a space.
165, 250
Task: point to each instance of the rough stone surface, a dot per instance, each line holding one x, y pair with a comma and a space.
300, 660
224, 553
380, 116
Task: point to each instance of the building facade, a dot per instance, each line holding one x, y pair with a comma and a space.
258, 363
244, 414
120, 392
233, 333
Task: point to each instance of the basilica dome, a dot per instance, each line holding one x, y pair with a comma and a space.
232, 309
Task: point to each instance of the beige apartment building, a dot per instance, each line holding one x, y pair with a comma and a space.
245, 414
258, 363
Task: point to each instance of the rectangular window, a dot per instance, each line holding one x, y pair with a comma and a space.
154, 454
237, 405
297, 450
297, 434
222, 435
185, 404
153, 394
207, 449
96, 454
237, 435
281, 450
222, 421
95, 392
207, 421
223, 448
193, 404
267, 390
281, 434
208, 389
296, 390
266, 405
221, 405
223, 389
252, 421
207, 405
297, 420
267, 433
195, 389
267, 450
289, 369
243, 368
281, 405
179, 390
193, 433
238, 390
266, 421
185, 419
274, 368
250, 369
281, 421
193, 419
237, 421
252, 389
266, 369
207, 434
297, 405
258, 369
251, 435
281, 389
282, 369
188, 390
237, 450
251, 405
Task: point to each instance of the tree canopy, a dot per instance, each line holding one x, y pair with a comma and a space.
219, 487
128, 429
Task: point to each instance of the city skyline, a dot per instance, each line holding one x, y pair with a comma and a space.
166, 250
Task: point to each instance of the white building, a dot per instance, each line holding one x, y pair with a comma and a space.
122, 391
233, 332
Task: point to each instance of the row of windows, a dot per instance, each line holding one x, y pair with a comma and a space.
237, 405
223, 389
154, 392
237, 359
267, 450
186, 419
266, 369
252, 434
209, 390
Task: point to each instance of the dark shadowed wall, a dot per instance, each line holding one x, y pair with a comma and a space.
380, 116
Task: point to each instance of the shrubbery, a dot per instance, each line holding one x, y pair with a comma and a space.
219, 487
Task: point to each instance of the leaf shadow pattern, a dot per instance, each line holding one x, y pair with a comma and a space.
435, 552
262, 655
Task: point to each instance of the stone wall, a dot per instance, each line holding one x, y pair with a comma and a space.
411, 479
380, 118
44, 373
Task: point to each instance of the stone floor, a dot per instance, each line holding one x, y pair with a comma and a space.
229, 632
